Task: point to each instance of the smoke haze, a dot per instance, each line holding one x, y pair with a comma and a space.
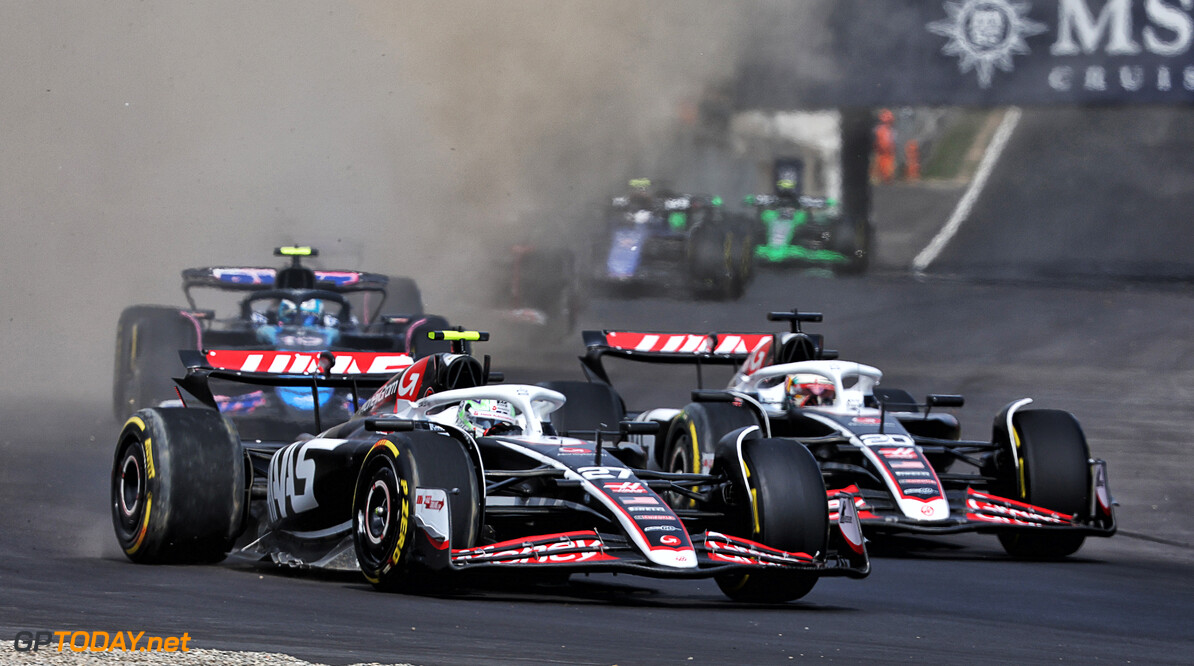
142, 138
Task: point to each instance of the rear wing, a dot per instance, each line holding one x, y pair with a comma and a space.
749, 350
360, 372
246, 278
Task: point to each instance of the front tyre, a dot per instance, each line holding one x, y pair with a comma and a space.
383, 510
1055, 474
178, 486
787, 510
395, 472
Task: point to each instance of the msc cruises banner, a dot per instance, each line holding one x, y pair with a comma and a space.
979, 52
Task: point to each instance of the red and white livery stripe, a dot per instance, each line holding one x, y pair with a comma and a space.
288, 362
729, 344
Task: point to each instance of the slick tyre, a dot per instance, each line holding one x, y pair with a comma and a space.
696, 431
713, 265
1055, 470
787, 510
694, 435
384, 507
178, 486
148, 338
418, 344
590, 406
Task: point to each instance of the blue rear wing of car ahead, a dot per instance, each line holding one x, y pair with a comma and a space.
247, 278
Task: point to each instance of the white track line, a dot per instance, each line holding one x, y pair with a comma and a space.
1002, 134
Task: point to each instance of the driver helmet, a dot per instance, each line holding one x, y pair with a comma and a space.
306, 313
483, 418
807, 390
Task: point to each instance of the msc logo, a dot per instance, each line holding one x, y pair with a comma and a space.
985, 34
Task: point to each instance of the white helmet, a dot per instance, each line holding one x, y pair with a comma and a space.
808, 390
487, 417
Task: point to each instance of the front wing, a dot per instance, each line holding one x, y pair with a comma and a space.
975, 511
592, 551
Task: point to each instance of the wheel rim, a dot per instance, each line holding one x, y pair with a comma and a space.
129, 488
377, 509
130, 492
678, 462
380, 499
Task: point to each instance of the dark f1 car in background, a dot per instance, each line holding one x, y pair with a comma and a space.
1033, 484
659, 241
812, 231
537, 289
441, 473
294, 309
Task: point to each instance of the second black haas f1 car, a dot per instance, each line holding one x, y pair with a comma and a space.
1034, 484
441, 473
373, 322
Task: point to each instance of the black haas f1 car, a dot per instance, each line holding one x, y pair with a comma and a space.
441, 473
295, 309
1034, 484
660, 241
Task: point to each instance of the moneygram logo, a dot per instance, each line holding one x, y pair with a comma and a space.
98, 641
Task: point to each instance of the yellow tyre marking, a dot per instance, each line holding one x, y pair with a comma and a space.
396, 556
149, 473
754, 507
696, 448
135, 420
754, 500
403, 523
1016, 452
144, 526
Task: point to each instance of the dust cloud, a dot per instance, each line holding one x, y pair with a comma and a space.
140, 138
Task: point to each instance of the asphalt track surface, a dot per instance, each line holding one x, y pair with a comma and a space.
1116, 353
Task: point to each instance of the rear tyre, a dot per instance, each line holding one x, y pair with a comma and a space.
696, 431
713, 264
148, 338
178, 486
384, 505
693, 438
790, 512
1055, 468
419, 345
